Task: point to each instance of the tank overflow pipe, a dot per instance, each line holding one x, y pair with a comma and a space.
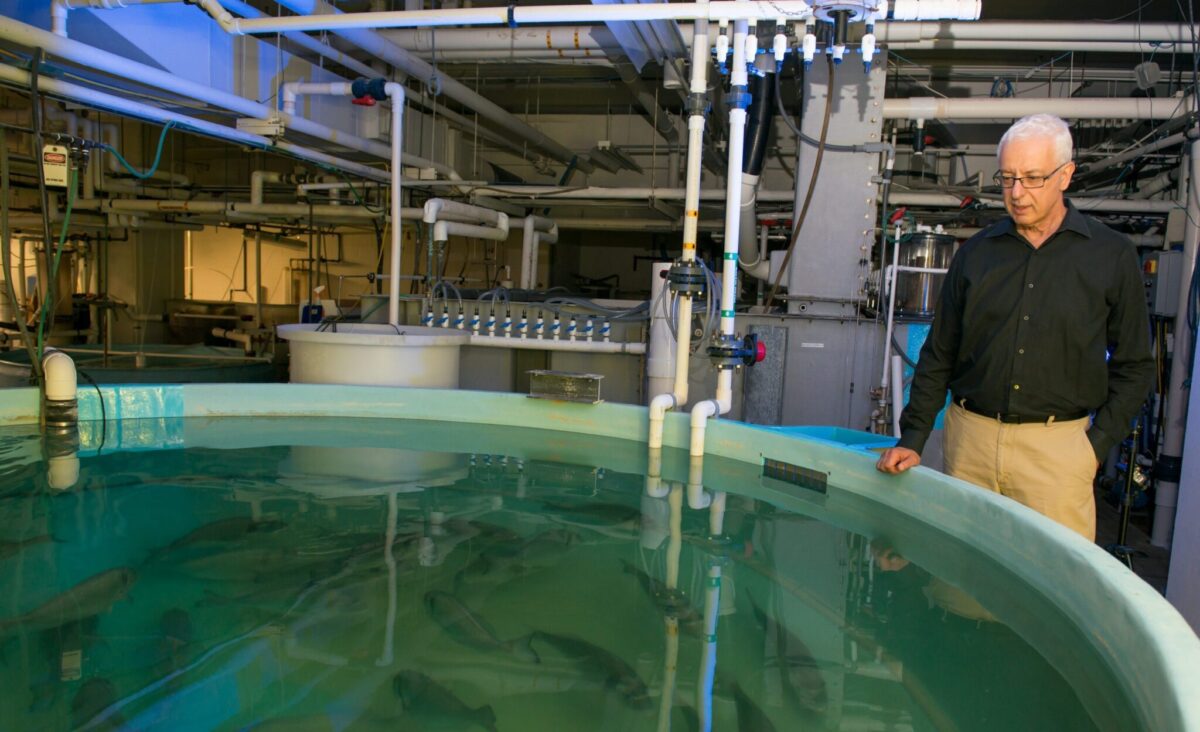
698, 111
723, 400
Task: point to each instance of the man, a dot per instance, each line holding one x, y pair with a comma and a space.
1030, 310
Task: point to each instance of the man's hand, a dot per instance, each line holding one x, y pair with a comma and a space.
896, 460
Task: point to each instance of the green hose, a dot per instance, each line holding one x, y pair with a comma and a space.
53, 278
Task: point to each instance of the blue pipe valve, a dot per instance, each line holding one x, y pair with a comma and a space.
728, 352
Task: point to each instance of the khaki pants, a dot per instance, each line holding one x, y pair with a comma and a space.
1048, 467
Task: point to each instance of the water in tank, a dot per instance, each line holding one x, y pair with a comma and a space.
367, 574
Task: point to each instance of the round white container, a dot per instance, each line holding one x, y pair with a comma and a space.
370, 354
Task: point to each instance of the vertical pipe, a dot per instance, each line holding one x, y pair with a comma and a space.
897, 393
712, 606
389, 631
671, 660
258, 304
18, 312
1167, 491
396, 93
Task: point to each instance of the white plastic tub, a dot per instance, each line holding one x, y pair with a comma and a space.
370, 354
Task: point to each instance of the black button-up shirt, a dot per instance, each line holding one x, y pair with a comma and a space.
1025, 330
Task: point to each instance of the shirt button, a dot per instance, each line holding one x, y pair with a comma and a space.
1031, 285
1025, 318
1016, 387
1021, 351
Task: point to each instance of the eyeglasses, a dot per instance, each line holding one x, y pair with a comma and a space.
1026, 181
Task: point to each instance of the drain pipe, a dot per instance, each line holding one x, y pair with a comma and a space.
723, 400
537, 230
395, 92
60, 419
1171, 459
684, 270
758, 131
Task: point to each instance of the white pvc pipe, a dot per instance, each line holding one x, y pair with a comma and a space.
1062, 46
678, 395
292, 89
98, 59
960, 108
61, 381
379, 47
897, 392
1167, 491
723, 400
727, 10
395, 92
535, 229
595, 38
304, 41
258, 179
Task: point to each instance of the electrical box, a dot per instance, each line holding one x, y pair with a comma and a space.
1160, 273
56, 165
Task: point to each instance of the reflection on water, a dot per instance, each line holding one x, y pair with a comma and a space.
305, 587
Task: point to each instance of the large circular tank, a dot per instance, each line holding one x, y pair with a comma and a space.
370, 354
355, 595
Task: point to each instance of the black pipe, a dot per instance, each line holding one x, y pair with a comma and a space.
758, 123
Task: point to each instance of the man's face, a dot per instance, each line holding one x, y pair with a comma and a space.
1030, 207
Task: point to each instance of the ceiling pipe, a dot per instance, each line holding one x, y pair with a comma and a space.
1012, 44
304, 41
378, 46
129, 108
510, 15
98, 59
584, 40
959, 108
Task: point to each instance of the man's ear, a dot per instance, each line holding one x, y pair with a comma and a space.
1068, 172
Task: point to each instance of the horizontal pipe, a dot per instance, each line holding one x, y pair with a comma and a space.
1083, 203
98, 59
960, 108
595, 39
721, 10
307, 42
1052, 46
537, 344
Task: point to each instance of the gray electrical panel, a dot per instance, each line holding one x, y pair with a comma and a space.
1161, 272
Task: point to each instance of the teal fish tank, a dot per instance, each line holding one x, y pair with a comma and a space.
291, 557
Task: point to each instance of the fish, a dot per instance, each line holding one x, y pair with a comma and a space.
228, 529
94, 696
90, 597
673, 602
436, 707
802, 681
470, 630
615, 671
545, 545
599, 514
751, 717
9, 548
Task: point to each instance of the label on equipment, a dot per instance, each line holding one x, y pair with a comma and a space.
56, 162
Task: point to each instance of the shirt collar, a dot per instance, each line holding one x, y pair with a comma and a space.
1073, 221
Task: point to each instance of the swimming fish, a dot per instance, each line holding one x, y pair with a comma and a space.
606, 514
436, 707
90, 597
9, 548
469, 629
228, 529
616, 672
751, 717
545, 545
672, 602
94, 696
802, 680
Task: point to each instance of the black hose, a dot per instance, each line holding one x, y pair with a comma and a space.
812, 187
758, 124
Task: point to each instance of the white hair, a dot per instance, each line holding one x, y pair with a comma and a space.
1041, 126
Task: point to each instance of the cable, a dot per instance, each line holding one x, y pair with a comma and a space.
103, 414
162, 138
62, 240
812, 186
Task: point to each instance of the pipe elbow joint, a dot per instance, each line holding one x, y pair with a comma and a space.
433, 207
61, 378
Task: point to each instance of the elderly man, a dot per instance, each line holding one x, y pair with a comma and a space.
1041, 338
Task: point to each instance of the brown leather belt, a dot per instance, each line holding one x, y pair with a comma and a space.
970, 406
